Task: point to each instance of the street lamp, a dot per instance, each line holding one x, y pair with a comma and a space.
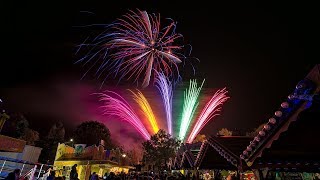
69, 143
3, 116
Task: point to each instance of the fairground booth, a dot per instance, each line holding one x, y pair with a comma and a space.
15, 154
89, 159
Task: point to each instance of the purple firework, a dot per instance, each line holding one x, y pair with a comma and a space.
134, 47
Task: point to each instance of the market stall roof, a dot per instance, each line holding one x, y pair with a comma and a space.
84, 162
289, 140
209, 158
190, 154
230, 147
10, 144
221, 152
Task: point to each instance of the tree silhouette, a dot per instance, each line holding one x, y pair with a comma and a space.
16, 126
134, 155
57, 132
91, 133
50, 143
160, 148
31, 137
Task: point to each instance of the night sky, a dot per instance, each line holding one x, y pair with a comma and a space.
256, 50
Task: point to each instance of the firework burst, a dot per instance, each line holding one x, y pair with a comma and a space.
133, 47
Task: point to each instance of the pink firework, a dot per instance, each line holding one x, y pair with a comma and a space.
115, 105
134, 47
209, 111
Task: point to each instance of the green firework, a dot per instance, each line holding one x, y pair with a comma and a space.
189, 106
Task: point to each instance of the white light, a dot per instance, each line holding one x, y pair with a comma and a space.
285, 105
71, 140
262, 133
267, 127
124, 155
272, 120
291, 96
278, 113
257, 139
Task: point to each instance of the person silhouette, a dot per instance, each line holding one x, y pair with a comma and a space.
15, 175
74, 173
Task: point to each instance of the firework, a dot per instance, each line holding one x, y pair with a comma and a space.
133, 47
165, 88
189, 106
146, 109
115, 105
209, 111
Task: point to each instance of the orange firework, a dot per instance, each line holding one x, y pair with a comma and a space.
146, 108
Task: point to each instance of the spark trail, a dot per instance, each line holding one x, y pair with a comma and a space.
146, 109
212, 109
165, 88
115, 105
189, 106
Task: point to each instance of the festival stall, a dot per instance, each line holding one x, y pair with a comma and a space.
88, 159
14, 153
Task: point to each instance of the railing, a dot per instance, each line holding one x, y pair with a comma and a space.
28, 170
31, 173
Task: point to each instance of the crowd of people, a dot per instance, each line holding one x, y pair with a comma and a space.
15, 175
150, 175
145, 175
159, 176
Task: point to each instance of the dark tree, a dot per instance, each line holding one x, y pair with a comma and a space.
22, 126
31, 137
50, 143
160, 148
57, 132
92, 132
16, 126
